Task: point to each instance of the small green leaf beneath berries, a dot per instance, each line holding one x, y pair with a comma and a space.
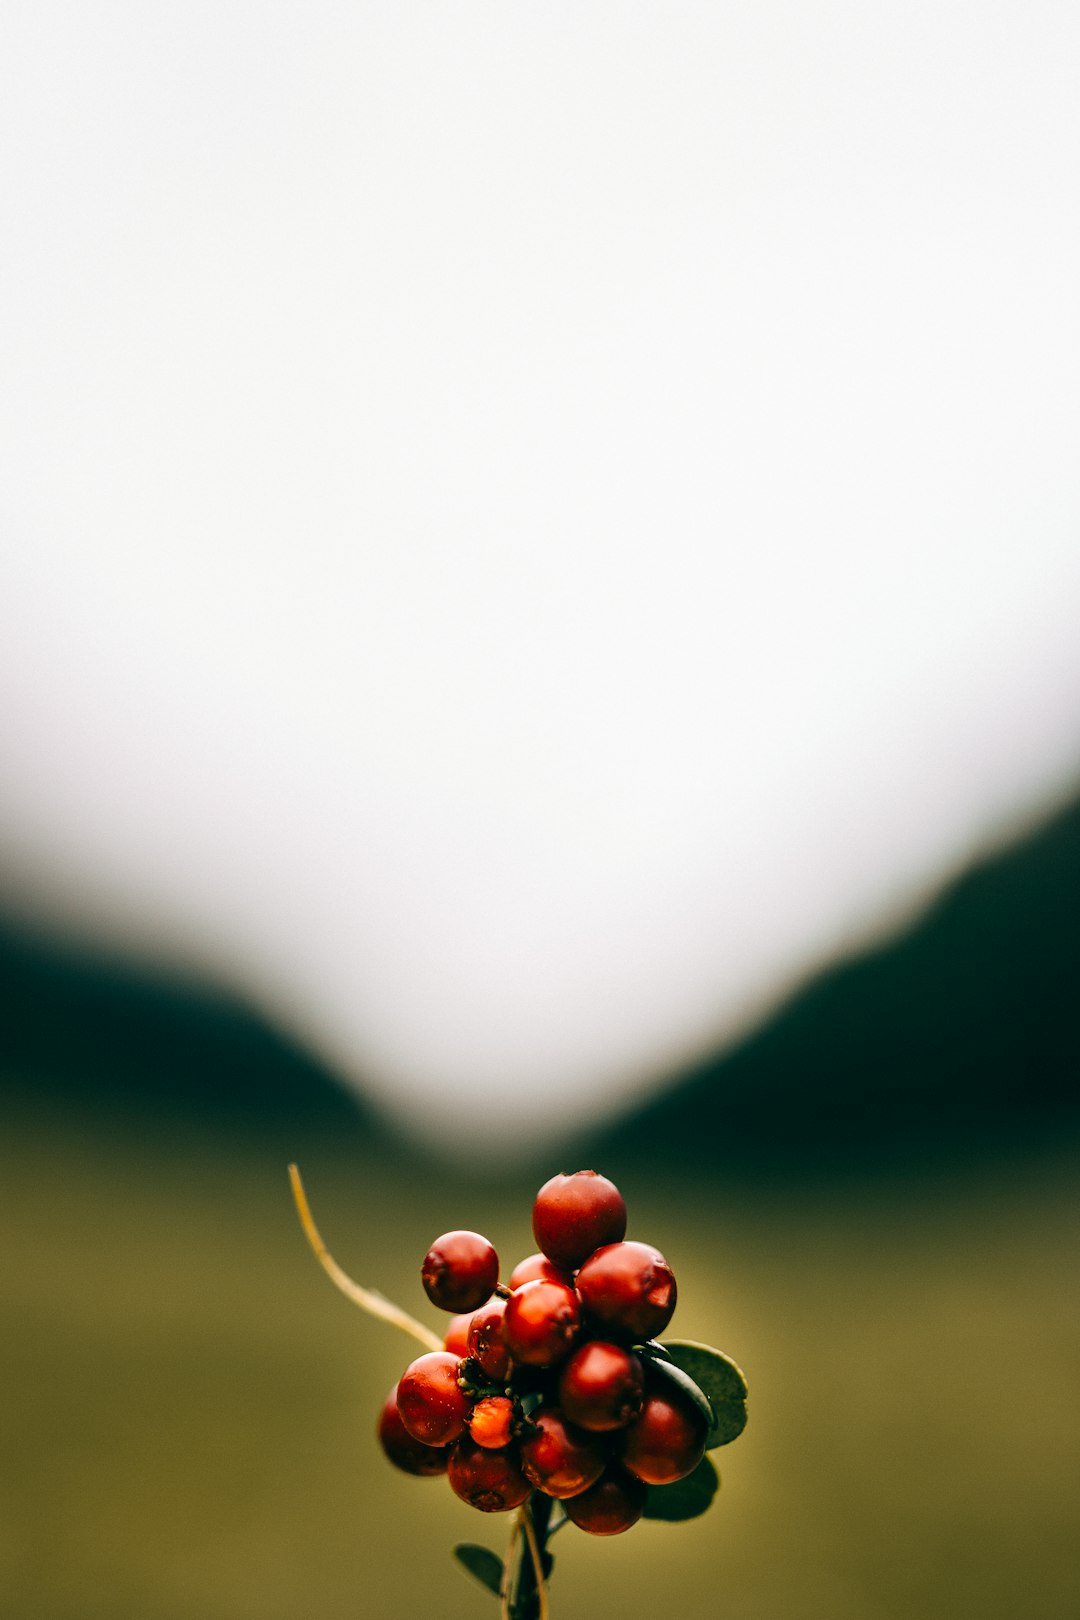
482, 1564
722, 1382
687, 1498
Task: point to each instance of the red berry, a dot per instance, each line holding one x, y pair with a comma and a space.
542, 1322
628, 1288
433, 1408
573, 1215
667, 1439
490, 1422
601, 1386
486, 1342
460, 1271
612, 1505
488, 1480
538, 1267
411, 1456
457, 1335
559, 1460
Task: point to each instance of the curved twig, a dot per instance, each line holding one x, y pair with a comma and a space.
367, 1299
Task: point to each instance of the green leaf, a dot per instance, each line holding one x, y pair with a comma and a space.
482, 1564
720, 1379
687, 1498
669, 1373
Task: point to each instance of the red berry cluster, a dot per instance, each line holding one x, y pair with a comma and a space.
543, 1383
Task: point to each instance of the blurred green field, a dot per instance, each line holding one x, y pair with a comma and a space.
188, 1405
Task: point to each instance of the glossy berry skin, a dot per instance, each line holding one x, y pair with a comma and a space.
575, 1214
542, 1323
629, 1289
488, 1480
456, 1339
410, 1455
537, 1267
612, 1505
491, 1421
460, 1271
667, 1439
602, 1386
433, 1408
559, 1460
486, 1343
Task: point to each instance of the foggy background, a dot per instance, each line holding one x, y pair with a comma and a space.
539, 624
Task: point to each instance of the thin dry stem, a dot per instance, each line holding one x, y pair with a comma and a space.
506, 1584
367, 1299
534, 1553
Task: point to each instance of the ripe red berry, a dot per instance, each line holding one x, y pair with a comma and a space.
488, 1480
628, 1288
411, 1456
433, 1408
601, 1386
558, 1459
538, 1267
486, 1342
490, 1422
460, 1271
575, 1214
542, 1322
612, 1505
667, 1439
457, 1335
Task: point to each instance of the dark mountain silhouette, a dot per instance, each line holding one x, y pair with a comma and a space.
97, 1030
964, 1031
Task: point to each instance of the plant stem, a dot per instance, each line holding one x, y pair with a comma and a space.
510, 1567
367, 1299
527, 1599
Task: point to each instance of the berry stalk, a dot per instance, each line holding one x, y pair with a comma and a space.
367, 1298
524, 1595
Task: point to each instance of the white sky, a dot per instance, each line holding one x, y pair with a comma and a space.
525, 525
